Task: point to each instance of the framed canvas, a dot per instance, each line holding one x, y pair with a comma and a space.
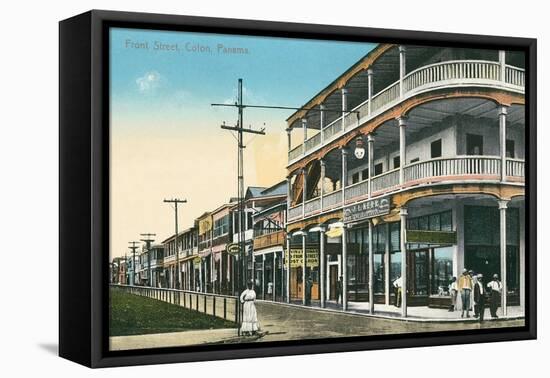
235, 188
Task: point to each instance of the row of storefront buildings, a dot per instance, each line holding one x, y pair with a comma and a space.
409, 164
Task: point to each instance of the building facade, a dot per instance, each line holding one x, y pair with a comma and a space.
410, 164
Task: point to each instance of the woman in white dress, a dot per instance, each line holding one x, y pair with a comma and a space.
249, 323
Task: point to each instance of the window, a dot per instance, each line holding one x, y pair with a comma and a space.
355, 178
510, 149
474, 144
436, 149
365, 174
415, 160
396, 162
378, 169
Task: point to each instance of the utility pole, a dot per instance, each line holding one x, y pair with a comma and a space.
175, 201
239, 128
148, 239
133, 247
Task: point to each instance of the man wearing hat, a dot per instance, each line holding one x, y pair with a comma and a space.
479, 298
495, 287
465, 289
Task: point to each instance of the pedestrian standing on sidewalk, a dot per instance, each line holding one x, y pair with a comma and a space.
339, 289
495, 288
309, 286
453, 291
398, 285
249, 324
465, 289
479, 298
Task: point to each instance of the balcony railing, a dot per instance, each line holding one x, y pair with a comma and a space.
515, 168
457, 169
269, 240
433, 76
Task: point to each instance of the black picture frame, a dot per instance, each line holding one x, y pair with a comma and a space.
84, 194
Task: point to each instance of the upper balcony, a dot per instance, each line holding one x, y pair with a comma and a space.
445, 141
394, 76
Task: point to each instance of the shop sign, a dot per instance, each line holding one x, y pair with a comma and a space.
232, 249
431, 237
368, 209
197, 260
296, 257
205, 224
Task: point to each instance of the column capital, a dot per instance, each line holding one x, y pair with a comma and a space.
403, 120
288, 130
322, 107
344, 91
502, 204
344, 151
322, 162
503, 110
304, 122
403, 211
370, 71
370, 137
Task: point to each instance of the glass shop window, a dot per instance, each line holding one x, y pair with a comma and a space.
355, 178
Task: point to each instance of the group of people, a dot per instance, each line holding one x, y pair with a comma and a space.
470, 289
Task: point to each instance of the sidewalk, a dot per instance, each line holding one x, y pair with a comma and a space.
171, 339
420, 313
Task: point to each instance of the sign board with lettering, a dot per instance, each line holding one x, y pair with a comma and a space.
368, 209
232, 249
297, 258
431, 237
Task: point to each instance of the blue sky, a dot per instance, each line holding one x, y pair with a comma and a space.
173, 86
166, 139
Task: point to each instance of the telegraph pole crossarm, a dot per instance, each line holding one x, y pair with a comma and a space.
133, 247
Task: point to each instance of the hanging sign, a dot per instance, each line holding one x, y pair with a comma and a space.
368, 209
232, 249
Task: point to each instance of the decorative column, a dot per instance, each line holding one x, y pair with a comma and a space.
344, 174
371, 270
263, 276
503, 111
387, 252
370, 153
304, 127
288, 194
402, 69
402, 121
322, 181
502, 206
322, 122
304, 235
344, 107
304, 191
403, 215
369, 82
344, 271
502, 63
274, 273
288, 268
322, 266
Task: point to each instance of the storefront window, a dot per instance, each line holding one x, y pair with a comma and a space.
442, 270
482, 239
